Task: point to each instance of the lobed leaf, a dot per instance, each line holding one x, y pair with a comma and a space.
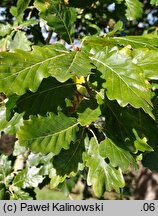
147, 41
50, 96
48, 134
5, 29
134, 9
101, 175
10, 127
124, 80
30, 177
20, 41
18, 194
58, 16
67, 161
118, 156
89, 116
144, 41
5, 170
147, 60
21, 71
141, 144
120, 122
22, 5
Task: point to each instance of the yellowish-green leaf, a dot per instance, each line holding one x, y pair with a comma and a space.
141, 144
118, 156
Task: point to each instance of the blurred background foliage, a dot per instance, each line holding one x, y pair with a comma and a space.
98, 17
93, 17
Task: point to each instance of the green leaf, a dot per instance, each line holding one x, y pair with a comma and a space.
5, 170
147, 41
55, 179
144, 41
36, 159
67, 160
25, 70
48, 134
118, 156
33, 177
22, 5
50, 96
101, 175
2, 191
67, 186
120, 122
134, 9
10, 127
118, 27
21, 71
19, 150
26, 23
88, 111
5, 29
73, 64
141, 144
20, 41
59, 17
89, 116
10, 105
124, 80
147, 60
13, 11
30, 177
154, 2
18, 194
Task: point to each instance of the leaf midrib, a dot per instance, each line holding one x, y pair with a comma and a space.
54, 134
133, 41
34, 65
111, 69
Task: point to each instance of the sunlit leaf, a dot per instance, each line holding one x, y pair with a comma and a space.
19, 194
21, 71
118, 156
134, 9
5, 29
124, 80
141, 144
147, 60
144, 41
154, 2
20, 41
11, 126
147, 41
101, 175
28, 178
5, 170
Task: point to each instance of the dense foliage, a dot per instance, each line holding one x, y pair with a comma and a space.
78, 94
